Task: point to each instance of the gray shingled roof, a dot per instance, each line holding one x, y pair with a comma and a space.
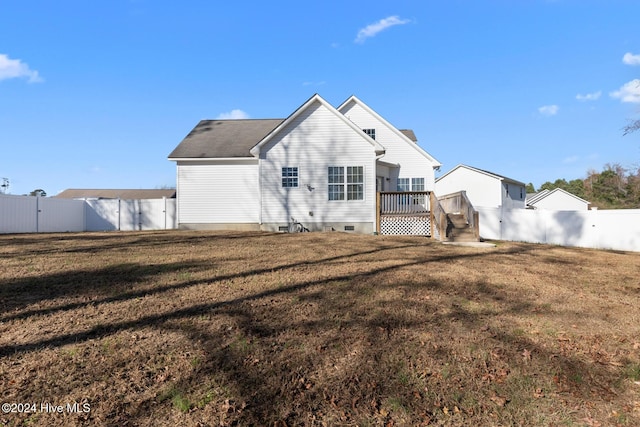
223, 138
114, 193
506, 178
409, 134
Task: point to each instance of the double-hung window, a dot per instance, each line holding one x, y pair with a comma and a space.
403, 184
410, 184
336, 183
355, 183
346, 182
290, 177
417, 184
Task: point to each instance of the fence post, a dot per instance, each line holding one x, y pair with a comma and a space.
37, 214
164, 211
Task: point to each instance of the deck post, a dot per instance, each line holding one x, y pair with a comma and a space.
378, 212
432, 203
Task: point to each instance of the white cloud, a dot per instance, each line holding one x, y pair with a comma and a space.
629, 92
631, 59
589, 96
548, 110
571, 159
320, 83
373, 29
233, 115
14, 68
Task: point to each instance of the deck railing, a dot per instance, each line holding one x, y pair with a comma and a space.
408, 212
404, 203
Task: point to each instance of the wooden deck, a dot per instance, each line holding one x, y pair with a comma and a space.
405, 213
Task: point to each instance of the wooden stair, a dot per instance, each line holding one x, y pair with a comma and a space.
458, 229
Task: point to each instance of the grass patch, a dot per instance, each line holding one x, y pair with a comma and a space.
230, 328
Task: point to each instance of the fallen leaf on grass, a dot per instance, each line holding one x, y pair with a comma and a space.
526, 354
499, 400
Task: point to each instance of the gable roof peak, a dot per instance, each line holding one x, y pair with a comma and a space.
407, 135
255, 150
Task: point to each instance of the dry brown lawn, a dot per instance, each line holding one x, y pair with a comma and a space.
229, 328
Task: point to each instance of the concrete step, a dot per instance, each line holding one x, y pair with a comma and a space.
462, 235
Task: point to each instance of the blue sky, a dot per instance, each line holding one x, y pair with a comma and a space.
96, 94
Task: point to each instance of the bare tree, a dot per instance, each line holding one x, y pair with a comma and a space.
4, 187
633, 126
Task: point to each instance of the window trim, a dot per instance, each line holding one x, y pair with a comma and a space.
405, 181
347, 182
290, 175
371, 132
414, 184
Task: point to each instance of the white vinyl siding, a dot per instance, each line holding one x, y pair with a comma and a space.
315, 140
218, 192
398, 149
482, 189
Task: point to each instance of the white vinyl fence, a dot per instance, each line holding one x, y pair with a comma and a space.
26, 214
602, 229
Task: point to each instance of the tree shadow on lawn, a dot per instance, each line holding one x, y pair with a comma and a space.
116, 281
374, 363
349, 347
92, 286
46, 290
98, 242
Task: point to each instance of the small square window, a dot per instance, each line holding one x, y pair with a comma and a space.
290, 177
370, 132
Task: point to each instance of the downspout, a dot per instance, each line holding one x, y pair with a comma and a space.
259, 191
376, 199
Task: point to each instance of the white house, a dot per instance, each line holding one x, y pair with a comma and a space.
321, 165
556, 200
483, 188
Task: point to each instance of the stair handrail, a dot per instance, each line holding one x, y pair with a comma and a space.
471, 215
459, 202
440, 221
